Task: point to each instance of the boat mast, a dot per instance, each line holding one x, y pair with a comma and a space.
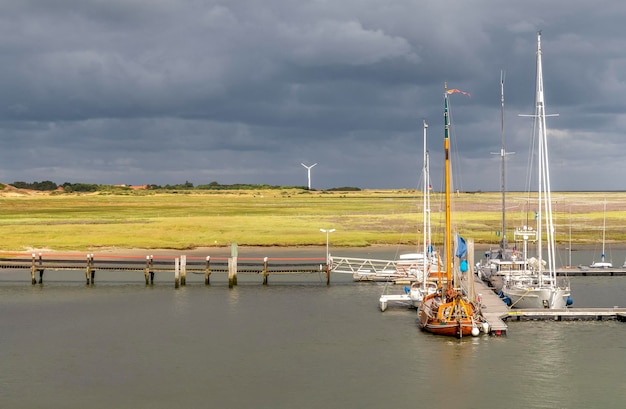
426, 211
446, 150
604, 230
545, 197
502, 154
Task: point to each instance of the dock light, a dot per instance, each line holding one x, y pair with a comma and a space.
327, 253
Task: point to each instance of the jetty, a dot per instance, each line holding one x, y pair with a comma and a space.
573, 314
586, 271
179, 266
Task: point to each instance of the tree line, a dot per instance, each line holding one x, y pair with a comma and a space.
50, 186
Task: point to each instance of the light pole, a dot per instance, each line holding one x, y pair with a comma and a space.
327, 233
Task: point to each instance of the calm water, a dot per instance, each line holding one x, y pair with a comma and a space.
293, 344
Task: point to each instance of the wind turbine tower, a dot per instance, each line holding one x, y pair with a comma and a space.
308, 168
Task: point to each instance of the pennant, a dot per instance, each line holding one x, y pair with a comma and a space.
452, 91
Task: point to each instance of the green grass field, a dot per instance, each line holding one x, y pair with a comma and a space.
191, 219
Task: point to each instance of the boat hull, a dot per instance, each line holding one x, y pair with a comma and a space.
450, 318
447, 328
537, 297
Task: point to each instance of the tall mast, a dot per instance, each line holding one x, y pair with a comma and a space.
426, 209
544, 172
502, 154
446, 150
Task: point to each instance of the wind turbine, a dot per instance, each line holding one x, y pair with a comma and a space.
308, 168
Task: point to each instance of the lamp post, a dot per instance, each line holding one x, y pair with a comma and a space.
327, 233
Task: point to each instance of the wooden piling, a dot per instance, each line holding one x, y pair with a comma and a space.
207, 271
265, 273
234, 253
183, 270
146, 270
231, 272
33, 270
40, 269
176, 272
327, 273
90, 272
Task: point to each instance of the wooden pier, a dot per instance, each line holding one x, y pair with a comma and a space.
89, 264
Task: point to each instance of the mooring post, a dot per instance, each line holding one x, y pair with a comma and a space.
93, 270
231, 274
327, 273
146, 271
265, 274
33, 270
234, 253
151, 269
183, 270
40, 269
176, 272
88, 269
207, 271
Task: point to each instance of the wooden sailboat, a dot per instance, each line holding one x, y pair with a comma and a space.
447, 311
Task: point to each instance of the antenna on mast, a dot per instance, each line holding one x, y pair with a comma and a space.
308, 168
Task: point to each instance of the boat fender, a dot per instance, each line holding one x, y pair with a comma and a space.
569, 301
407, 289
507, 300
463, 266
486, 327
475, 331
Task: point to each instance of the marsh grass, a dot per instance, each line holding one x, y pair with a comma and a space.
281, 218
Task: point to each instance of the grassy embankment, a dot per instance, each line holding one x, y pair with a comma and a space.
192, 219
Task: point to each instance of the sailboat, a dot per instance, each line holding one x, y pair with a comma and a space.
502, 262
421, 265
602, 263
430, 260
539, 288
448, 311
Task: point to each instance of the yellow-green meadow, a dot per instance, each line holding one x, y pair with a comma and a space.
190, 219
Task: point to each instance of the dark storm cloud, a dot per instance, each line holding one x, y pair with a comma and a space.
163, 91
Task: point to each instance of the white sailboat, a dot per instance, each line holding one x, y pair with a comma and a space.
503, 261
603, 263
422, 265
539, 289
430, 258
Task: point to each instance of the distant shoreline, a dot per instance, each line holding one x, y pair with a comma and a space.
276, 251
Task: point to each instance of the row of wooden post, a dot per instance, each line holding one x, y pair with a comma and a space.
180, 270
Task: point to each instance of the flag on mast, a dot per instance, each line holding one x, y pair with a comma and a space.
452, 91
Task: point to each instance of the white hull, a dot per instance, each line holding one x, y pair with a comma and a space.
537, 297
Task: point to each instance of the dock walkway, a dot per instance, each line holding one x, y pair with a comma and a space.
492, 307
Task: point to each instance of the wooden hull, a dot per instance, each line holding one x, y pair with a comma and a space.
450, 318
447, 328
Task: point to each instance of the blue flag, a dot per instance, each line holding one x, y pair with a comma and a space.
461, 247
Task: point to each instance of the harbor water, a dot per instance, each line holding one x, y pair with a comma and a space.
295, 343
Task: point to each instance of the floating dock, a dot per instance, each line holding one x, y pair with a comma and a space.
586, 271
572, 314
492, 308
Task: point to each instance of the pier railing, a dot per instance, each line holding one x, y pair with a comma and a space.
39, 263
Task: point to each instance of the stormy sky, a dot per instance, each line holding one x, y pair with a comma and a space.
244, 91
